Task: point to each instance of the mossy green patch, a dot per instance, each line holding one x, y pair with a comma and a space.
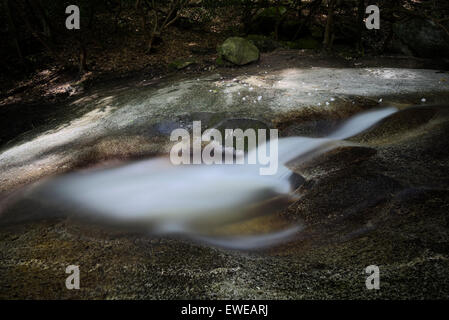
181, 64
303, 43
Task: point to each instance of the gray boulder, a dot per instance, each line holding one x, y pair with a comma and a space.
423, 37
239, 51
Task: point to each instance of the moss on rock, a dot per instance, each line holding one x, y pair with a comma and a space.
239, 51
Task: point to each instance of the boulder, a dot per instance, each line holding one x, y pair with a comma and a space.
423, 37
239, 51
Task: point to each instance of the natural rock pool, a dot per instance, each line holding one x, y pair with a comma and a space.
381, 200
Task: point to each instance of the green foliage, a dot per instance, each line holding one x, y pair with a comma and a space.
180, 64
219, 61
263, 43
273, 12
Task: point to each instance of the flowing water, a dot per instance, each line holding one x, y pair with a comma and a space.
194, 200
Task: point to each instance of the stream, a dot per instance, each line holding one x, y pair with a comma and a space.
362, 180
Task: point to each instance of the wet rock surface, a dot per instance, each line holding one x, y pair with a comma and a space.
383, 200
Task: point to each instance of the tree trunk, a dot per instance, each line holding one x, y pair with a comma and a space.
313, 9
82, 58
45, 42
12, 28
360, 26
117, 16
46, 24
158, 28
278, 21
328, 34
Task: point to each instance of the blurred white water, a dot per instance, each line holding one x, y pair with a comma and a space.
193, 200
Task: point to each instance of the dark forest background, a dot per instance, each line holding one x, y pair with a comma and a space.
123, 36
